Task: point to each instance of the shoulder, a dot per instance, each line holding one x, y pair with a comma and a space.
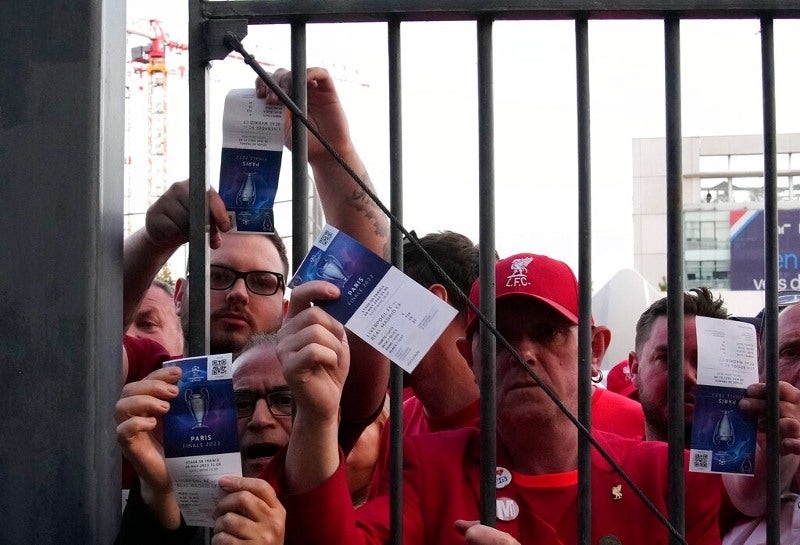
144, 356
447, 449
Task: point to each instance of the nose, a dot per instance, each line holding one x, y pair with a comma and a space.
238, 291
526, 349
261, 417
690, 372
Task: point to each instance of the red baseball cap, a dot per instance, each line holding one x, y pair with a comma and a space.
619, 380
536, 276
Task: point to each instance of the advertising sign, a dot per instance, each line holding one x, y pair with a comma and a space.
747, 249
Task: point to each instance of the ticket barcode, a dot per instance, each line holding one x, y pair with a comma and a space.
700, 460
219, 367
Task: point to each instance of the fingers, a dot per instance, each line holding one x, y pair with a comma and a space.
318, 79
219, 221
304, 295
145, 396
790, 446
259, 488
249, 510
283, 78
789, 429
167, 220
478, 534
463, 525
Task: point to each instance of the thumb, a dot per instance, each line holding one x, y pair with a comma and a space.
462, 526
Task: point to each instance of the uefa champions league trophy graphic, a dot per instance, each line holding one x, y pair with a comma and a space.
332, 270
197, 403
247, 192
723, 435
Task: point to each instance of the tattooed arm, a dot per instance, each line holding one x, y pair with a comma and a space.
346, 205
348, 208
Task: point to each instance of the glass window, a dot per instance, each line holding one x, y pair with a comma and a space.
747, 162
714, 163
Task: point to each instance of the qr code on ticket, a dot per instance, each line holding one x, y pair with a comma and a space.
700, 460
219, 367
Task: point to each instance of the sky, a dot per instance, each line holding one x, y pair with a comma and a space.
535, 115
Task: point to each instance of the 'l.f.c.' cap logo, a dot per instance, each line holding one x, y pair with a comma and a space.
519, 272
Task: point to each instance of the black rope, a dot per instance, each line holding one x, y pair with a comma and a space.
232, 41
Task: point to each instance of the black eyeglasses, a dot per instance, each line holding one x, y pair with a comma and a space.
258, 282
279, 402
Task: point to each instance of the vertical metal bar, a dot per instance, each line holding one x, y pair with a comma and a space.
300, 184
771, 271
487, 272
197, 343
672, 57
584, 280
396, 195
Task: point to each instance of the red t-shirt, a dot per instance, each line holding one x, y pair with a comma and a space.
617, 414
144, 357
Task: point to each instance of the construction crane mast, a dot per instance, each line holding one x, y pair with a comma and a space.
151, 61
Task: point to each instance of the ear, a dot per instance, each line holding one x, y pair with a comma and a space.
285, 307
181, 286
439, 291
633, 367
601, 337
465, 349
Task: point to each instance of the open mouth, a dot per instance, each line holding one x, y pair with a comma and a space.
261, 450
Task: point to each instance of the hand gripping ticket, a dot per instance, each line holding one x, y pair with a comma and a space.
378, 302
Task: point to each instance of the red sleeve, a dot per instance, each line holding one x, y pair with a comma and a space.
144, 357
702, 507
323, 516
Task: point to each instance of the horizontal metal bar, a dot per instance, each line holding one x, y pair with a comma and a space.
314, 11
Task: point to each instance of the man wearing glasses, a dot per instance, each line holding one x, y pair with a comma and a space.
248, 271
264, 407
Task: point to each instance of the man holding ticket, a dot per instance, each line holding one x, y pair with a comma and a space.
248, 508
749, 494
537, 498
239, 304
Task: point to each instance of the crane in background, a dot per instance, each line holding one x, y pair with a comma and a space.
149, 61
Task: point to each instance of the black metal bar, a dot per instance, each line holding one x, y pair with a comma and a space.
672, 58
584, 280
487, 272
771, 272
396, 204
197, 342
284, 11
300, 185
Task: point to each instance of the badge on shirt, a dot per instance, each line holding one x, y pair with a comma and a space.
507, 509
502, 477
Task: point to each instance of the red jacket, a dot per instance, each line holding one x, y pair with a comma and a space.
441, 485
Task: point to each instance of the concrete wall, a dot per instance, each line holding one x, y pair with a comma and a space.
61, 127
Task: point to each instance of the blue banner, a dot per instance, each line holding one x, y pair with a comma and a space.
747, 249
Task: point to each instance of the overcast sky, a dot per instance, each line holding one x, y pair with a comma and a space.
535, 114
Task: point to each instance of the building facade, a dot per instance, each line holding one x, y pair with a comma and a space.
723, 220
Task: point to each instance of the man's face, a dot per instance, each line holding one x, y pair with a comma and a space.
262, 434
650, 369
236, 314
789, 345
157, 319
548, 343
